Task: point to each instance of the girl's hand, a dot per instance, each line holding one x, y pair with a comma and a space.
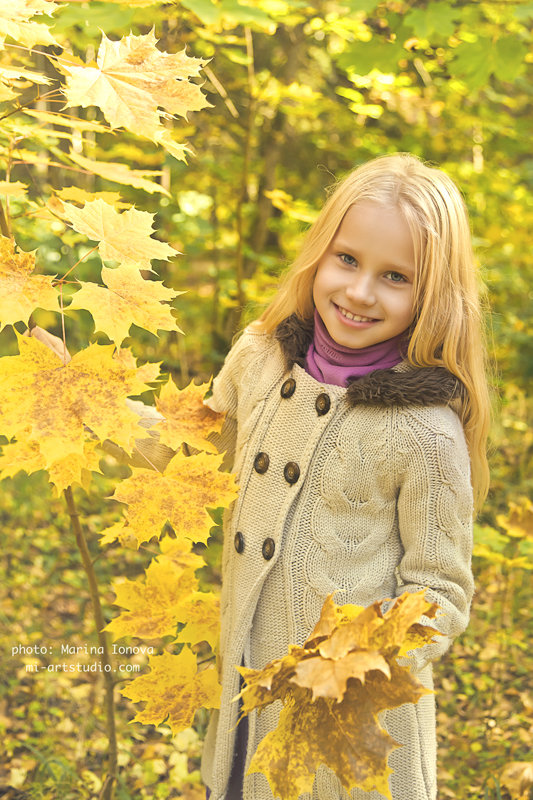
51, 341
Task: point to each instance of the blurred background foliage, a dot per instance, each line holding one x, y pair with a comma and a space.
301, 93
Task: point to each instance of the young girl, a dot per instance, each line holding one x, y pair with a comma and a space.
357, 415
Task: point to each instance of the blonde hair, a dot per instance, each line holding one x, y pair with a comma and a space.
447, 329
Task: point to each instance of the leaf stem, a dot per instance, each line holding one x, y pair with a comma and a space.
108, 789
4, 227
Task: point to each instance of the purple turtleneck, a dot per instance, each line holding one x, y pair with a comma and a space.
330, 362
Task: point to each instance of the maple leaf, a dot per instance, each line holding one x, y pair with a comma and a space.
21, 291
50, 403
112, 171
333, 689
154, 605
180, 496
124, 237
173, 690
15, 21
13, 189
201, 613
343, 737
75, 468
128, 300
186, 418
132, 80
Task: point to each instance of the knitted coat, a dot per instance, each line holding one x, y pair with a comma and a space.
363, 491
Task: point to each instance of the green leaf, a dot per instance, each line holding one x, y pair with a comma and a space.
523, 12
439, 18
472, 63
508, 54
363, 57
361, 5
206, 11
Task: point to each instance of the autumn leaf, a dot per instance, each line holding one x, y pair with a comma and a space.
333, 689
52, 404
74, 469
173, 690
201, 613
153, 605
21, 291
128, 300
132, 80
345, 737
124, 237
179, 496
186, 418
16, 21
114, 171
13, 189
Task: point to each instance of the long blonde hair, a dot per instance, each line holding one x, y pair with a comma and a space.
447, 329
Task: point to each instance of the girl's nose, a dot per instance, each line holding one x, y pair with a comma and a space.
361, 289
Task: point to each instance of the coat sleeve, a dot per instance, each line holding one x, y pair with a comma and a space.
435, 516
225, 395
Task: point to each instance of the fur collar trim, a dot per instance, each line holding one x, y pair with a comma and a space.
403, 385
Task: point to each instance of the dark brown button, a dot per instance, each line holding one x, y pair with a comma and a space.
239, 542
322, 404
287, 389
261, 463
291, 472
269, 545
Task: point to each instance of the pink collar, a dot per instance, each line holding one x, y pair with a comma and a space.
330, 362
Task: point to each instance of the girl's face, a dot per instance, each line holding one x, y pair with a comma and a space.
363, 287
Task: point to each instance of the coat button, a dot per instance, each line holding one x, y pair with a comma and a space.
322, 404
261, 462
239, 542
269, 545
291, 472
287, 388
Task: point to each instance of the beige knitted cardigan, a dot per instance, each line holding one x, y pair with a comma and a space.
381, 504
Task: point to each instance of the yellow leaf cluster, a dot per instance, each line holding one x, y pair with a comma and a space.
179, 496
55, 409
131, 81
174, 690
169, 595
21, 291
332, 690
15, 21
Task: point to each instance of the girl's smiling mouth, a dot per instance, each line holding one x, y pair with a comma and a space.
351, 317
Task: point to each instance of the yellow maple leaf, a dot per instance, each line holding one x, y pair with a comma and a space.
128, 300
21, 292
309, 734
132, 80
201, 613
125, 237
180, 496
25, 455
186, 418
153, 606
174, 690
15, 21
111, 171
54, 402
13, 189
333, 689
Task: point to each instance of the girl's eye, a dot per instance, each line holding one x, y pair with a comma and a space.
348, 259
396, 277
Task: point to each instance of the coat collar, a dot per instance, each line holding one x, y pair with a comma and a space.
403, 385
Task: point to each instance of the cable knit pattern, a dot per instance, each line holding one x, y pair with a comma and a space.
382, 504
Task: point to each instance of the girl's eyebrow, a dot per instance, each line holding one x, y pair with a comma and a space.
340, 245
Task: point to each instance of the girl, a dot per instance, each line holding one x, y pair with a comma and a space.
357, 415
